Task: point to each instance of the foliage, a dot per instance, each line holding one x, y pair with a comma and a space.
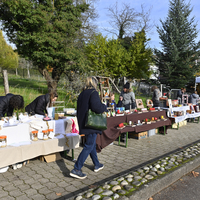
179, 52
8, 58
108, 57
141, 56
45, 32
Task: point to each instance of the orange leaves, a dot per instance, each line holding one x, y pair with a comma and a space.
195, 174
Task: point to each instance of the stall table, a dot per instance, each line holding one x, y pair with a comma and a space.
179, 119
22, 148
112, 132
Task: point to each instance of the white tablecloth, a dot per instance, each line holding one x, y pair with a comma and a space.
184, 117
182, 108
20, 147
13, 154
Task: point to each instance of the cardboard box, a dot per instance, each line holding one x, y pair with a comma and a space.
156, 130
51, 157
151, 132
140, 136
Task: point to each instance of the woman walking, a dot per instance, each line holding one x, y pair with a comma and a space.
88, 99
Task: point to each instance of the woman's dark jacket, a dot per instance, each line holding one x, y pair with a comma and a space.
88, 99
38, 106
4, 105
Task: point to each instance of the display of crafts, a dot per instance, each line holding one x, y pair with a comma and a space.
147, 121
110, 113
162, 118
47, 118
152, 109
154, 119
121, 125
139, 110
139, 123
120, 111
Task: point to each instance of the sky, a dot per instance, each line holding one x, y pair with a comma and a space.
159, 10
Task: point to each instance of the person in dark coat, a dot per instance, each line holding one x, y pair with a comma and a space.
40, 104
88, 99
10, 102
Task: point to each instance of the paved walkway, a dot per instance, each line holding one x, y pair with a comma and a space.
41, 180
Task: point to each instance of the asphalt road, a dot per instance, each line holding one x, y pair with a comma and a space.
186, 188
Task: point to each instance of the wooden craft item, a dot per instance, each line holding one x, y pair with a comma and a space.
139, 103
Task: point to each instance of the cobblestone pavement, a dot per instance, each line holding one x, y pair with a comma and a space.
41, 180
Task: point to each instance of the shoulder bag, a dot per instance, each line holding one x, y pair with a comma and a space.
96, 121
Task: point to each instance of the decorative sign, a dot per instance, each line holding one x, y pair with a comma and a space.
139, 103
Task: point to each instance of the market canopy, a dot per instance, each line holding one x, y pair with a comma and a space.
197, 80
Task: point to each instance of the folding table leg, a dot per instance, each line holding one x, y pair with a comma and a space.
65, 153
72, 154
119, 140
126, 139
164, 130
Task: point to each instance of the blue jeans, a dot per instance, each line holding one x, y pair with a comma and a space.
88, 149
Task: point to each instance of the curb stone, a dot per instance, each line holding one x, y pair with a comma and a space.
145, 191
153, 187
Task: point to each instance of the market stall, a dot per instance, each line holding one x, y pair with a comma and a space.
20, 147
180, 113
113, 132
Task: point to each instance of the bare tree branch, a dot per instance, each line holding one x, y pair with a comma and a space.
127, 20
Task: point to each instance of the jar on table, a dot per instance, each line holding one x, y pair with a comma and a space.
45, 134
50, 130
3, 141
34, 135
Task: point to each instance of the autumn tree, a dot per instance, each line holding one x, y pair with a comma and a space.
8, 58
44, 32
176, 60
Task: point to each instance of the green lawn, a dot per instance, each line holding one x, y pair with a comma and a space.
32, 88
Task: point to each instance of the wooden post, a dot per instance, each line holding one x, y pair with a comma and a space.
5, 79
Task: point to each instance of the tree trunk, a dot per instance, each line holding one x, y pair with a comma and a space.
138, 88
124, 80
116, 88
16, 72
52, 84
5, 78
28, 72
